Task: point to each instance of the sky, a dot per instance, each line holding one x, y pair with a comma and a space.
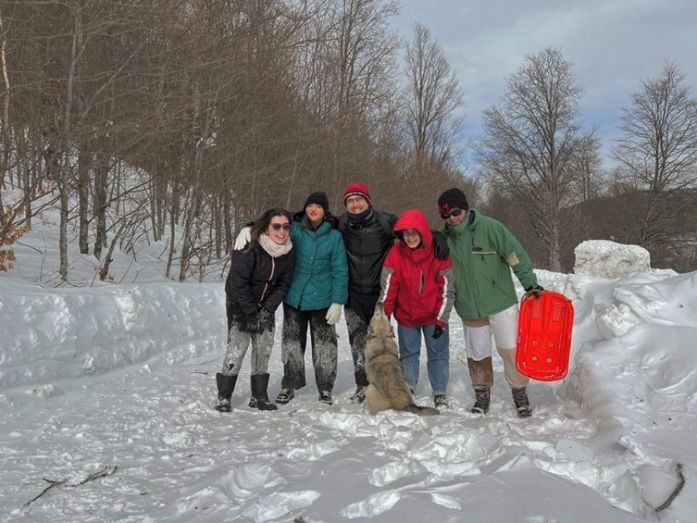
107, 409
613, 45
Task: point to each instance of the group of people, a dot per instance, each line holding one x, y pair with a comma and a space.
317, 264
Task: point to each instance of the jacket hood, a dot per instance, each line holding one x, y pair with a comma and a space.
415, 219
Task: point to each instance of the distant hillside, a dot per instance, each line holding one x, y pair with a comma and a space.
618, 218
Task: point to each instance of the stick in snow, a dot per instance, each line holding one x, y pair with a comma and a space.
107, 471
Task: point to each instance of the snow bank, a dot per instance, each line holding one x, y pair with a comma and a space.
53, 334
606, 259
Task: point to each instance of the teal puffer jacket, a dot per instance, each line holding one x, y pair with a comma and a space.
484, 251
320, 277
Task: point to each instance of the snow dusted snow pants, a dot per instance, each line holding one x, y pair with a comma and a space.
294, 341
237, 344
358, 313
504, 327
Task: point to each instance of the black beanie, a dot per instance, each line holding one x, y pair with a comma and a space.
320, 198
453, 199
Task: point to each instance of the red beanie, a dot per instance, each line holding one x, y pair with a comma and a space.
356, 189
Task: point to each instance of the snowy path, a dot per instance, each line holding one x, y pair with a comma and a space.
178, 459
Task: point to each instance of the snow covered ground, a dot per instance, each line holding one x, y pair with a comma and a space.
107, 394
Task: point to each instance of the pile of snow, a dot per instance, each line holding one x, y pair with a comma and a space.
108, 392
607, 259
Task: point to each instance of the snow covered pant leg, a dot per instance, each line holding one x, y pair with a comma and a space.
237, 345
262, 345
504, 326
409, 339
481, 372
294, 340
438, 359
358, 333
324, 350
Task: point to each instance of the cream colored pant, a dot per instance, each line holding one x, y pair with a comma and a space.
503, 326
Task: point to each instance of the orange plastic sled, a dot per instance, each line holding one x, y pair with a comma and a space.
544, 336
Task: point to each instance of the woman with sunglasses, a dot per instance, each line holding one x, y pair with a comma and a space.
483, 252
259, 277
417, 288
317, 293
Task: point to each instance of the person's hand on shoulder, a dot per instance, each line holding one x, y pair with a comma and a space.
243, 238
440, 245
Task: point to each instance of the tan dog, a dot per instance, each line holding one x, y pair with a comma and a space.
387, 389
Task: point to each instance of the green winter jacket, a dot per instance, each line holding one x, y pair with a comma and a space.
484, 251
320, 277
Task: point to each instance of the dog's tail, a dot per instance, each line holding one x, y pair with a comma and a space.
422, 411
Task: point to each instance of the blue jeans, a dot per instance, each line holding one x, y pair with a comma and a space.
437, 356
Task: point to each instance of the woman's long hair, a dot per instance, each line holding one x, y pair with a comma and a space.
259, 227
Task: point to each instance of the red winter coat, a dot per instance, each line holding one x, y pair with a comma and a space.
416, 286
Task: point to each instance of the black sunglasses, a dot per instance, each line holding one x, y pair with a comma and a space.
454, 212
279, 226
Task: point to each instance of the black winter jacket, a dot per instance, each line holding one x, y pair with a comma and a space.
256, 281
367, 245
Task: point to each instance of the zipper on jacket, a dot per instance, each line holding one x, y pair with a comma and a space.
266, 284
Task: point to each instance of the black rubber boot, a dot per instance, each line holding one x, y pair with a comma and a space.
482, 396
226, 385
260, 398
522, 404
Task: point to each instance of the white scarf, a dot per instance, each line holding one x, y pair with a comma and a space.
272, 248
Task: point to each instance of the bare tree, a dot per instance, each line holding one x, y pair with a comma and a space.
658, 149
433, 95
532, 144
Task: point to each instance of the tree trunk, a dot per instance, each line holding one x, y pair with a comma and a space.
83, 182
64, 184
101, 168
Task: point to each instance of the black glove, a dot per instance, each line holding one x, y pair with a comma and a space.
440, 245
251, 323
533, 291
266, 320
437, 332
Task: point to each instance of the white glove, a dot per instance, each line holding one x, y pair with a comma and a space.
243, 238
333, 313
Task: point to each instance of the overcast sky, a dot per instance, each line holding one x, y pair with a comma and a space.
612, 44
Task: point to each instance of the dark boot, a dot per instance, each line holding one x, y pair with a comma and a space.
361, 384
260, 398
481, 405
325, 396
522, 405
285, 396
226, 385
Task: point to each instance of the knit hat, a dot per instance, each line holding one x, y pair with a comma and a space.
356, 189
320, 198
453, 199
